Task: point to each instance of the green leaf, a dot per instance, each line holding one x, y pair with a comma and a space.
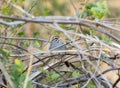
55, 76
21, 0
19, 66
5, 10
37, 43
46, 12
57, 33
96, 10
75, 74
5, 54
21, 34
21, 78
29, 85
16, 73
99, 10
18, 1
35, 34
91, 85
107, 40
68, 27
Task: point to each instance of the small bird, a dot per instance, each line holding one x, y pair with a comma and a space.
57, 44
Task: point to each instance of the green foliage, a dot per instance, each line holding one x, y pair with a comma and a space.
17, 76
21, 34
75, 74
5, 55
18, 1
107, 40
57, 33
93, 32
37, 43
26, 44
36, 34
91, 85
18, 66
93, 10
5, 10
47, 11
96, 10
52, 75
68, 27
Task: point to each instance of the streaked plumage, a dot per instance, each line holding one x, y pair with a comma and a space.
55, 43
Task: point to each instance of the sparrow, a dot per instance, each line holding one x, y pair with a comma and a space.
57, 44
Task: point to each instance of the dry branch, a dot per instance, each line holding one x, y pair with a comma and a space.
65, 20
83, 57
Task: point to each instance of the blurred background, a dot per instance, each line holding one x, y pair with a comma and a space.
52, 8
110, 14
